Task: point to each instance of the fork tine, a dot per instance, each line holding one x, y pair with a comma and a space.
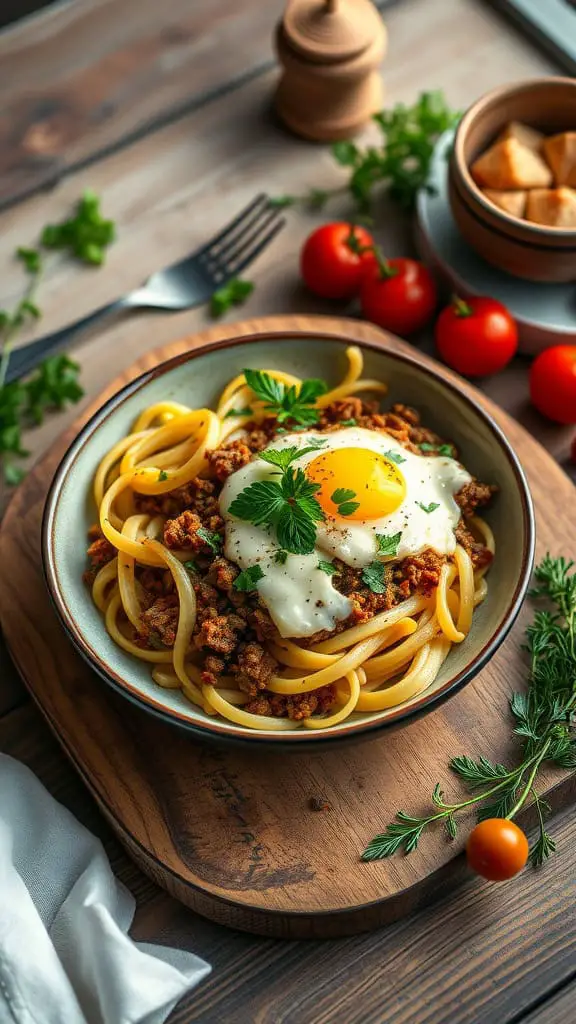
246, 241
250, 256
259, 203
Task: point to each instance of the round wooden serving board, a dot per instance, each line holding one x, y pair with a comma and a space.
230, 832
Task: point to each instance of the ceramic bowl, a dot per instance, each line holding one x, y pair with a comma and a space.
196, 379
531, 251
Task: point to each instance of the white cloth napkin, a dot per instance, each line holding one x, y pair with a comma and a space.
65, 957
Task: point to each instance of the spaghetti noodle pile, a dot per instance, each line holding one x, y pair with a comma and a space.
371, 666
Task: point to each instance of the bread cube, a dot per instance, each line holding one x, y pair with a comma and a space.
513, 202
560, 152
523, 134
510, 165
554, 207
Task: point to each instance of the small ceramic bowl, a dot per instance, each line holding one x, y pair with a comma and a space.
531, 251
196, 379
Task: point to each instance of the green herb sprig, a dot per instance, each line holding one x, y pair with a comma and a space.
400, 164
287, 505
287, 403
234, 293
543, 723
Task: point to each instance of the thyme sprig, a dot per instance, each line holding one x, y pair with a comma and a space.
544, 723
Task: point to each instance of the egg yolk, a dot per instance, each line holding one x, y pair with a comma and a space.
378, 485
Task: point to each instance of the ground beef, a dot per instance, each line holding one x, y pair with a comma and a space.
423, 571
262, 625
220, 633
229, 458
296, 707
100, 552
255, 668
222, 574
474, 495
479, 554
196, 496
159, 622
181, 533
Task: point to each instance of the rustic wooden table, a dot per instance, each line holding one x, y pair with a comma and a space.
165, 110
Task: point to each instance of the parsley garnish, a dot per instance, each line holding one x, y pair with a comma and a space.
328, 567
428, 508
388, 545
314, 199
245, 411
213, 540
280, 557
162, 476
394, 457
544, 725
376, 577
248, 579
86, 235
442, 449
342, 497
401, 163
348, 423
234, 293
287, 403
190, 565
283, 457
287, 505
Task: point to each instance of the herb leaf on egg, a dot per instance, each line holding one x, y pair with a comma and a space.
248, 579
328, 567
376, 576
388, 545
287, 505
441, 449
343, 499
280, 557
283, 457
394, 457
287, 403
428, 508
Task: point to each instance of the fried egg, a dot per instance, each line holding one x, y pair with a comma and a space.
369, 486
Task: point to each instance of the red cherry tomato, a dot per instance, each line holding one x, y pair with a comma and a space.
399, 295
553, 383
497, 849
476, 336
331, 264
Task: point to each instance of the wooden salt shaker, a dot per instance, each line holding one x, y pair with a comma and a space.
331, 51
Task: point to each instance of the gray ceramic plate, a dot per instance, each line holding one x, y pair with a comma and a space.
196, 379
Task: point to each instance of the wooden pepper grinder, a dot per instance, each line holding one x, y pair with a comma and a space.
331, 51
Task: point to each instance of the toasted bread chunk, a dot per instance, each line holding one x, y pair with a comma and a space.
513, 202
523, 134
560, 152
510, 165
555, 207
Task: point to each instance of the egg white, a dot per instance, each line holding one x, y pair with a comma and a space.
300, 597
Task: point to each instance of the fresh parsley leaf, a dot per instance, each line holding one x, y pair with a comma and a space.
259, 503
245, 411
376, 577
283, 457
346, 153
287, 403
234, 293
328, 567
162, 476
342, 498
31, 259
394, 457
281, 202
13, 475
86, 235
213, 540
428, 508
248, 579
280, 557
190, 565
442, 449
342, 494
388, 545
348, 423
296, 529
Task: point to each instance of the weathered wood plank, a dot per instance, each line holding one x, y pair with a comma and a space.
82, 78
557, 1010
12, 692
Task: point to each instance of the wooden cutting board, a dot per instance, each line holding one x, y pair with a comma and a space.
231, 833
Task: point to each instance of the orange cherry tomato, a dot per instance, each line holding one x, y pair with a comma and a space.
553, 383
497, 849
333, 260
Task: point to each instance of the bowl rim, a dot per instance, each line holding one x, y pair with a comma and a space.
542, 235
228, 733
